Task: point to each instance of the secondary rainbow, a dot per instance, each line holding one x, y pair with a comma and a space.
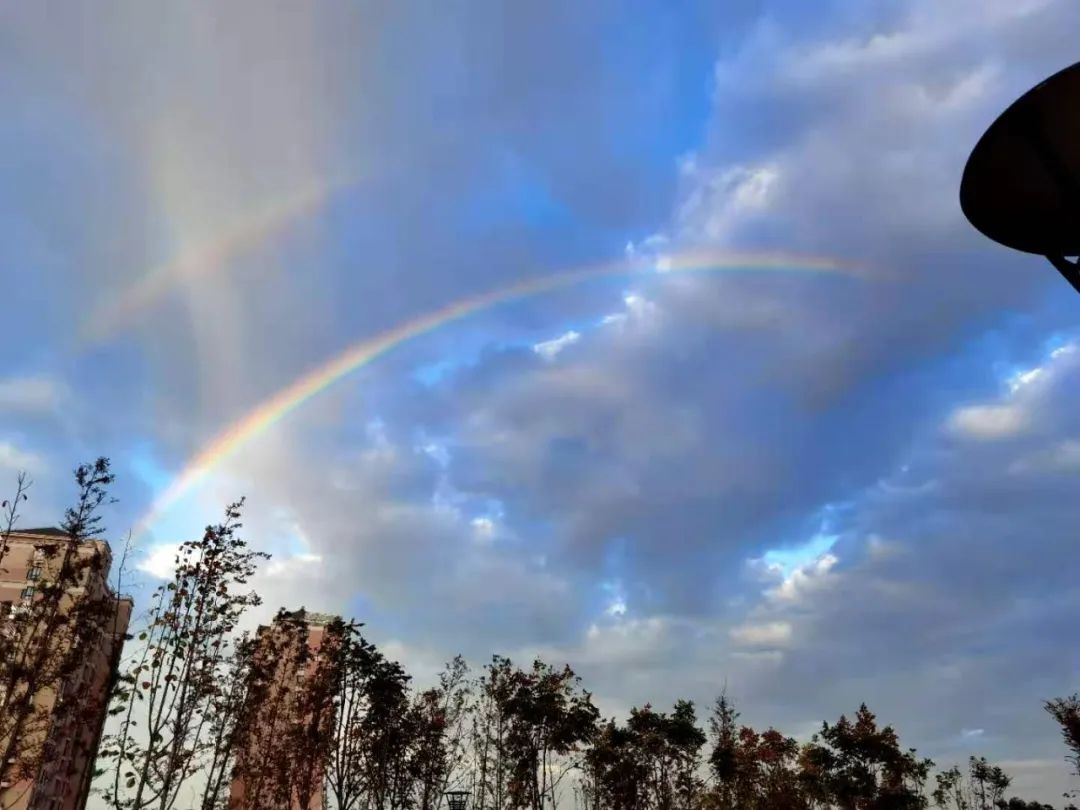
359, 354
239, 237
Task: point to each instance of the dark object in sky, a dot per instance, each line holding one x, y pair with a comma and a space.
1021, 185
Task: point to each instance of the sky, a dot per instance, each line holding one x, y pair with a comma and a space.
672, 354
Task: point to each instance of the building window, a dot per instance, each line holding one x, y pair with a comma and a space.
35, 573
28, 592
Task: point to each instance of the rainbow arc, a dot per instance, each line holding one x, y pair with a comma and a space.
286, 400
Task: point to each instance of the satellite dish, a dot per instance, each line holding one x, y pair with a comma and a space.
1021, 185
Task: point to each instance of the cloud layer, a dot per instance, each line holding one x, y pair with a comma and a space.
817, 489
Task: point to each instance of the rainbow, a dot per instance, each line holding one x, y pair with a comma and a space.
272, 410
238, 237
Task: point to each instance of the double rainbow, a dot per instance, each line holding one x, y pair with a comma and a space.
272, 410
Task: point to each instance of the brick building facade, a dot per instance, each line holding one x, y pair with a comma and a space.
277, 753
68, 739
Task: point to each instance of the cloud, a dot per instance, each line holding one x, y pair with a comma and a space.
770, 634
549, 349
720, 200
16, 459
721, 431
805, 580
39, 394
484, 526
952, 610
988, 422
159, 561
609, 496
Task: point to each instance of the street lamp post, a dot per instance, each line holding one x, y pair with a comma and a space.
457, 799
1021, 185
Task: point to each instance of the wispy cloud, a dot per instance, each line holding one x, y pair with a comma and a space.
38, 394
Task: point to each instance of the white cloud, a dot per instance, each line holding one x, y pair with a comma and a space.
639, 310
851, 55
805, 580
722, 199
17, 459
988, 422
638, 305
1026, 404
290, 566
484, 527
160, 560
549, 349
31, 394
629, 642
768, 634
1022, 378
616, 608
437, 451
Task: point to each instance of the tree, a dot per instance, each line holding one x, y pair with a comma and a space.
858, 766
951, 792
345, 771
455, 692
668, 752
685, 741
386, 734
44, 640
981, 788
615, 776
165, 700
489, 735
262, 759
988, 783
724, 759
529, 728
756, 770
550, 717
312, 736
1066, 712
285, 740
437, 722
232, 713
9, 516
1020, 804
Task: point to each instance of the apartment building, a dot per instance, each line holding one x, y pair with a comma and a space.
280, 708
51, 756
